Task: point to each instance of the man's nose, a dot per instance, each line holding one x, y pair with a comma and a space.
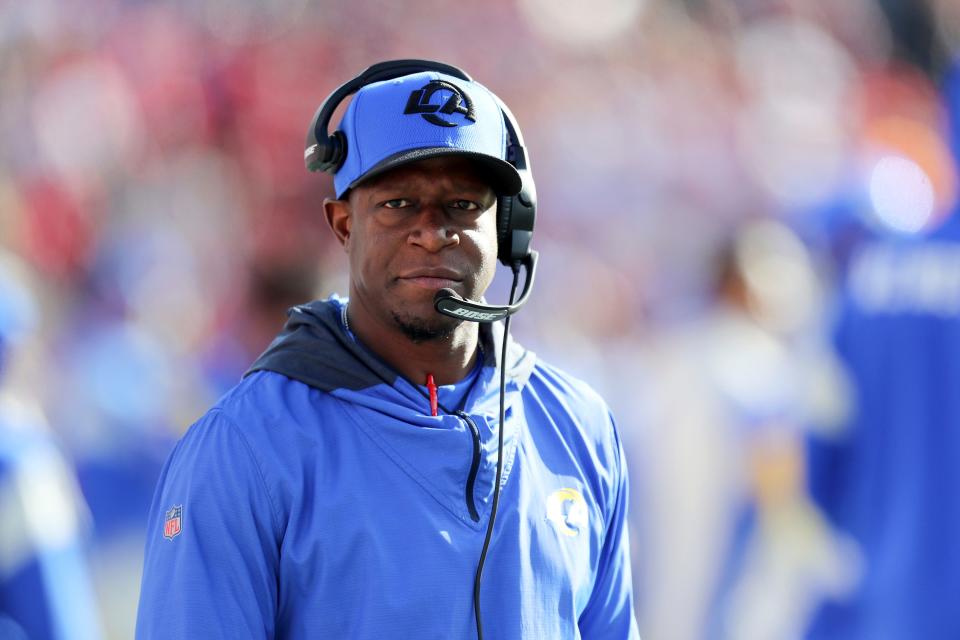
433, 229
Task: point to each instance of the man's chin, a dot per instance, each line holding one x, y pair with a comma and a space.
426, 328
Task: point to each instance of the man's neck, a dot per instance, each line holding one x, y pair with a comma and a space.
449, 359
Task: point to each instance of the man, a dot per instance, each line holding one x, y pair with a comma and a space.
332, 495
732, 399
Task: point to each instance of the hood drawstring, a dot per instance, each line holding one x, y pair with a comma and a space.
432, 388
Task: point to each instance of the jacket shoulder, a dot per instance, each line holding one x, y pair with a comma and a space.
571, 393
271, 413
577, 412
264, 396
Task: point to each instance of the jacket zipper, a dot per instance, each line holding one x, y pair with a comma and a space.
474, 465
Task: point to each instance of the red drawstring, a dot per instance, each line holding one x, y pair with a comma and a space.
432, 388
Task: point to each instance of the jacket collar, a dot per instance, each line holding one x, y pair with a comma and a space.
316, 349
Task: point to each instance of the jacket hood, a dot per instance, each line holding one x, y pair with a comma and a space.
315, 348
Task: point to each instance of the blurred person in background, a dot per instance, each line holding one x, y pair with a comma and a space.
891, 477
731, 537
45, 587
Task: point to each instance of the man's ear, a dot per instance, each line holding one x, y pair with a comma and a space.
339, 217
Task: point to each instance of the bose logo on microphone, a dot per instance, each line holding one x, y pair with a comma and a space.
474, 315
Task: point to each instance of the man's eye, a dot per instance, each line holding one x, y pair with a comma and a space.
396, 203
465, 205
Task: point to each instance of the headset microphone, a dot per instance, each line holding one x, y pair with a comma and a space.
451, 303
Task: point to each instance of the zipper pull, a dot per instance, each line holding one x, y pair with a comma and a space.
432, 388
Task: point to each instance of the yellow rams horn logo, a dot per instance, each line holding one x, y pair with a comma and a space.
567, 510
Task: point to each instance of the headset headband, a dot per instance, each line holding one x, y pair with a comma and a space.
388, 70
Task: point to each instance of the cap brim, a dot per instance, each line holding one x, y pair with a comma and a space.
504, 178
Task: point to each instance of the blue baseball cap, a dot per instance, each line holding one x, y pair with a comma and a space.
424, 115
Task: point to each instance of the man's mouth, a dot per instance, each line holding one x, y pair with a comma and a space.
433, 278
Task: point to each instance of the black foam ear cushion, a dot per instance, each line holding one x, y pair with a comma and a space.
337, 152
504, 213
515, 222
327, 155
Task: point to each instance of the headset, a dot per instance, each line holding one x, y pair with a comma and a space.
515, 214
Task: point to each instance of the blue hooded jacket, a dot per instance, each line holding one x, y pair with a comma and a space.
320, 499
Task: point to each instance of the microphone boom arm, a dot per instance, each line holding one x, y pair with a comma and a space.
450, 303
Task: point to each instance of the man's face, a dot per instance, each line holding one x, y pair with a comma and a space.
412, 231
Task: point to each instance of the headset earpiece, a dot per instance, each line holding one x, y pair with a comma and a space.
515, 220
326, 153
517, 214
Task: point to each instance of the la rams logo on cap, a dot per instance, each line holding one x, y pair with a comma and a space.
451, 99
567, 510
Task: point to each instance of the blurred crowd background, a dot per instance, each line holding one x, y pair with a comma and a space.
748, 238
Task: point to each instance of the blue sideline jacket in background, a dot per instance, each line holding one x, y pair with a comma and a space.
892, 480
320, 499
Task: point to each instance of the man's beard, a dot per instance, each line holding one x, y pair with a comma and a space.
419, 330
